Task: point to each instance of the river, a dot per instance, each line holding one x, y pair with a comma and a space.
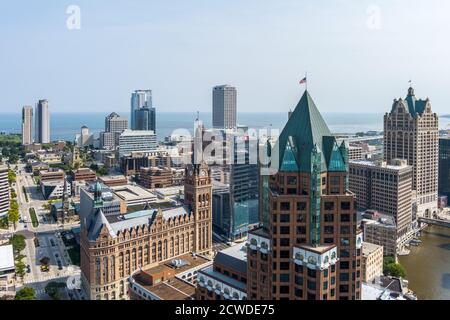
428, 265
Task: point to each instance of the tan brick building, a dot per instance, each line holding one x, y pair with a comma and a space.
372, 262
114, 247
386, 187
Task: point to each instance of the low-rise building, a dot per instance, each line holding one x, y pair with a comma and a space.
170, 280
7, 271
155, 177
54, 189
381, 233
134, 195
84, 174
132, 164
51, 175
372, 261
386, 288
114, 180
226, 278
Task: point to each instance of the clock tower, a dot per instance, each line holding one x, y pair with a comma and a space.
198, 196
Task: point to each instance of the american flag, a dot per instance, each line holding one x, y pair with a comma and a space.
303, 81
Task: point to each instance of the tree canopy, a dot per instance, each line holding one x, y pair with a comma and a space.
26, 293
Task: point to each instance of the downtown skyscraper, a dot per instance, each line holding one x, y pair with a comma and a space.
27, 125
139, 99
224, 107
42, 125
310, 246
411, 132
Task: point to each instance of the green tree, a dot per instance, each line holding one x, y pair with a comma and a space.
18, 243
52, 289
11, 176
20, 268
26, 293
13, 159
13, 214
392, 268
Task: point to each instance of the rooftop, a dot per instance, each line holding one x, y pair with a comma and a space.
136, 133
6, 258
381, 164
143, 218
171, 287
234, 257
131, 192
368, 248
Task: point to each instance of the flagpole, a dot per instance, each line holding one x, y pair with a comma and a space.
306, 84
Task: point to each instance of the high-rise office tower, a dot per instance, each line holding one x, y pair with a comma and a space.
42, 126
115, 123
236, 188
139, 99
114, 126
145, 119
4, 190
444, 166
312, 246
27, 125
385, 187
224, 107
411, 132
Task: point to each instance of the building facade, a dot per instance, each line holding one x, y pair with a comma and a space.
411, 132
311, 249
4, 190
386, 188
27, 125
372, 262
139, 99
114, 126
112, 249
145, 119
224, 107
444, 166
383, 234
226, 278
42, 125
136, 141
132, 164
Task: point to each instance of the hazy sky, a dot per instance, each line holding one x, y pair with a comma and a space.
359, 55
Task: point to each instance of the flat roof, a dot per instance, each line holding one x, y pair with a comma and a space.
6, 257
174, 288
368, 248
131, 192
376, 164
112, 177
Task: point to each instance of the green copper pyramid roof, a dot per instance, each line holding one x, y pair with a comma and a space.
305, 130
415, 106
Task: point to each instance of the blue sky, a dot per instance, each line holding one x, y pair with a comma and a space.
181, 48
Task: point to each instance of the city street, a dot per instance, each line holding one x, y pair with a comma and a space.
48, 245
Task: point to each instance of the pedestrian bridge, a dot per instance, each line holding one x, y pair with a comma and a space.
435, 222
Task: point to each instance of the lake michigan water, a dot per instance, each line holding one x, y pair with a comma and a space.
64, 126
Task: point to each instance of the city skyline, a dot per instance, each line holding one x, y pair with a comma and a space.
362, 50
